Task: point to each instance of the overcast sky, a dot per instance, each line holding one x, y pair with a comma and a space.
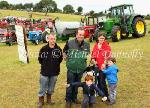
140, 6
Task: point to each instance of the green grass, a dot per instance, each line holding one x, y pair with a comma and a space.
64, 17
148, 25
20, 82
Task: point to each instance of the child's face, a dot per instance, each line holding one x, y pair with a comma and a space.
109, 63
89, 82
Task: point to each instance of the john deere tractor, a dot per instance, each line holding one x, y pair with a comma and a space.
121, 22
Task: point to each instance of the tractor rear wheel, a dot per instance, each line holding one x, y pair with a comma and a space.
139, 27
45, 36
116, 34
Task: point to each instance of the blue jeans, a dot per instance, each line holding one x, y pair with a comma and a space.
112, 92
71, 92
87, 100
47, 85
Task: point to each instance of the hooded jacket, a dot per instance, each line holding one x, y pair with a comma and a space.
111, 74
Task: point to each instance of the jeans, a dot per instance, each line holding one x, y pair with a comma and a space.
112, 92
71, 92
47, 85
87, 100
102, 83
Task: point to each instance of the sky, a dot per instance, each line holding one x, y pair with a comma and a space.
140, 6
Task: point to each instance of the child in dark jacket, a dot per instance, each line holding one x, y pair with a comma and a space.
111, 75
89, 89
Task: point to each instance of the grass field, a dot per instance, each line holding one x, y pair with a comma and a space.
64, 17
20, 82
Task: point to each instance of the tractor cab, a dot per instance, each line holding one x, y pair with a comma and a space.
89, 21
90, 24
121, 10
122, 14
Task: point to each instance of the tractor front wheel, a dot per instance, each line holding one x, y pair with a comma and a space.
139, 27
45, 36
36, 42
116, 34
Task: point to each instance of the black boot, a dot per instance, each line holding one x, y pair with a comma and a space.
49, 99
77, 101
68, 105
41, 101
91, 105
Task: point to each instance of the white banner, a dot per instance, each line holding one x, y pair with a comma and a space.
22, 48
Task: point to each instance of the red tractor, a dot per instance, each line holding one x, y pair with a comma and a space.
90, 24
3, 24
40, 26
7, 35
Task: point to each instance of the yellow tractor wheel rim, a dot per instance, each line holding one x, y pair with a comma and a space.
118, 35
140, 27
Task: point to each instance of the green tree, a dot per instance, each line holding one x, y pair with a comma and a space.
4, 4
48, 5
101, 13
11, 6
91, 13
19, 6
79, 10
38, 7
28, 5
59, 10
68, 9
147, 17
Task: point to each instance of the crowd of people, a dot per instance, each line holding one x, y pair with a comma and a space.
75, 53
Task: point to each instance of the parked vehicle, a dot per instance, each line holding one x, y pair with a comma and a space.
3, 24
7, 35
65, 29
35, 37
89, 24
121, 22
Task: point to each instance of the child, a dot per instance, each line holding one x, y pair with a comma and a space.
88, 91
111, 75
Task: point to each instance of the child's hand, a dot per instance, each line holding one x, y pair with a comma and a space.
103, 66
93, 61
67, 85
64, 56
104, 98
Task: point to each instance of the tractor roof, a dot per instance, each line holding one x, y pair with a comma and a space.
120, 6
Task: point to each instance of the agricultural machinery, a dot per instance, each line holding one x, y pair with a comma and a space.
65, 29
3, 24
7, 35
89, 24
35, 36
121, 22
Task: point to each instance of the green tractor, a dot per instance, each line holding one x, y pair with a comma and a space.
121, 22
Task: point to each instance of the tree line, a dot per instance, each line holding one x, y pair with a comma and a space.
51, 6
42, 6
47, 6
